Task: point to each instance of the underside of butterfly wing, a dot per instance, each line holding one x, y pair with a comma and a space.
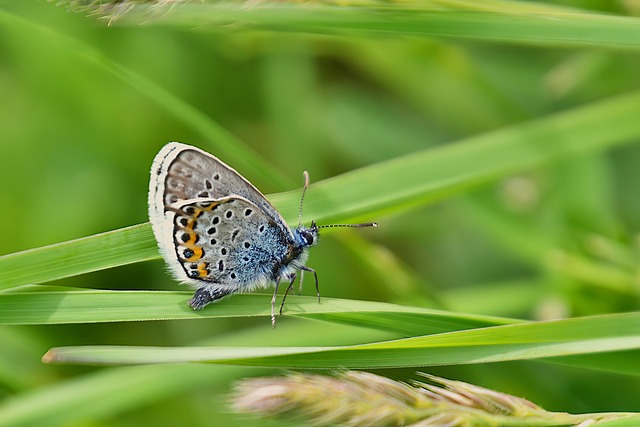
229, 243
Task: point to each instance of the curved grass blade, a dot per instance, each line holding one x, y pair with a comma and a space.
433, 174
545, 26
100, 395
625, 422
227, 145
393, 185
35, 308
114, 248
567, 338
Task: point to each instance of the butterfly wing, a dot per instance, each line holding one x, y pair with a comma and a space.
228, 244
183, 173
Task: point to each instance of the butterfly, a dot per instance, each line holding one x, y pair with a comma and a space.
218, 233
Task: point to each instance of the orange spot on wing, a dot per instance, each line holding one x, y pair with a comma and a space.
202, 269
197, 253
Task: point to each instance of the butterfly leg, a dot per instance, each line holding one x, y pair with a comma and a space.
204, 296
315, 276
300, 282
293, 279
273, 304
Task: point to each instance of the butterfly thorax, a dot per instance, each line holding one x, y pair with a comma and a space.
303, 238
296, 257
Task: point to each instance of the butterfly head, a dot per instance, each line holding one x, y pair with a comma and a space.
307, 236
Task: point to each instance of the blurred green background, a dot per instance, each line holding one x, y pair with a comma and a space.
77, 143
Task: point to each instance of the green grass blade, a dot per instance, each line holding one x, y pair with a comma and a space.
631, 421
101, 395
535, 340
94, 396
431, 174
227, 145
32, 308
384, 187
541, 250
100, 251
548, 27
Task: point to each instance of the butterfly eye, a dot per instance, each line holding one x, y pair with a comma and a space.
308, 237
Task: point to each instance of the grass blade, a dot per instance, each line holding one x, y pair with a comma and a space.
368, 192
227, 145
33, 308
100, 251
509, 23
92, 396
526, 341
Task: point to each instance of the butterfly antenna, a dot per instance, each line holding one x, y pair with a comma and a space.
313, 223
304, 190
364, 224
